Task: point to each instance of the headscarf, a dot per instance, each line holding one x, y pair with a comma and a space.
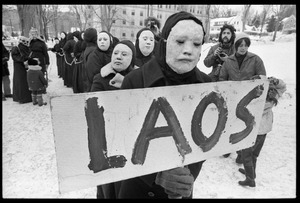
111, 42
160, 54
131, 46
24, 46
90, 35
24, 40
139, 54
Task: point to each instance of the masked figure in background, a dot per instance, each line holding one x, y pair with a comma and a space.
219, 52
144, 46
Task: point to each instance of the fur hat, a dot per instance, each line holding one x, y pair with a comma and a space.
33, 62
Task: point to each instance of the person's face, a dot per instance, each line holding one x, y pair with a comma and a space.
184, 45
243, 48
56, 41
103, 41
146, 42
121, 57
34, 35
226, 35
62, 35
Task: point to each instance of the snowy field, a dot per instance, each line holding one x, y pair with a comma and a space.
28, 152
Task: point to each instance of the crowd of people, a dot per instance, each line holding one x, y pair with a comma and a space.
91, 61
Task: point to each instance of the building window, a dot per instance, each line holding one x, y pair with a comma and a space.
141, 23
132, 22
141, 13
132, 34
124, 22
123, 34
132, 13
124, 12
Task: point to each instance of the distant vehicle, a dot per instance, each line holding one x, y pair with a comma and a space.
9, 42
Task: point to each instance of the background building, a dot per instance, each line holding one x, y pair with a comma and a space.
130, 18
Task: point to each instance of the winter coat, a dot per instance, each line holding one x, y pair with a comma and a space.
39, 50
96, 61
108, 79
212, 61
251, 65
35, 78
266, 122
151, 75
5, 58
69, 48
21, 91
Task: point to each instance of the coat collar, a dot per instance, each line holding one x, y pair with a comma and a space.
152, 73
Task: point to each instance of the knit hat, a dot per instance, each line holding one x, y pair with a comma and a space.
90, 35
132, 47
33, 61
241, 35
24, 40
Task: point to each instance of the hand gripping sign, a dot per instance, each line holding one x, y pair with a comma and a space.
103, 137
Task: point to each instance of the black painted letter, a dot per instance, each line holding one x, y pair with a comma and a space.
243, 114
149, 132
203, 142
97, 140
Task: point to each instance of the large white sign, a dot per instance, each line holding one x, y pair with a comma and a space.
103, 137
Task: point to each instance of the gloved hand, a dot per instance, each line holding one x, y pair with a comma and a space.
176, 181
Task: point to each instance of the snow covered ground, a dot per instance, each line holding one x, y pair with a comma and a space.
28, 151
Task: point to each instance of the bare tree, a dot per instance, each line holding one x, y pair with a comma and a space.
27, 18
278, 11
83, 15
55, 18
107, 16
265, 12
245, 15
215, 11
207, 22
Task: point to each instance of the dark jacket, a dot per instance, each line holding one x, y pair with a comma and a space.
251, 65
35, 78
39, 50
69, 47
151, 75
5, 58
213, 61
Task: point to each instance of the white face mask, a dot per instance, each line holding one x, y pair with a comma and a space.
103, 41
62, 35
121, 57
184, 45
146, 42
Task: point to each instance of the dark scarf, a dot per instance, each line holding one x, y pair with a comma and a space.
24, 50
172, 77
240, 58
139, 54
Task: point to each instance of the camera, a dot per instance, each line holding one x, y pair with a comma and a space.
152, 23
222, 54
